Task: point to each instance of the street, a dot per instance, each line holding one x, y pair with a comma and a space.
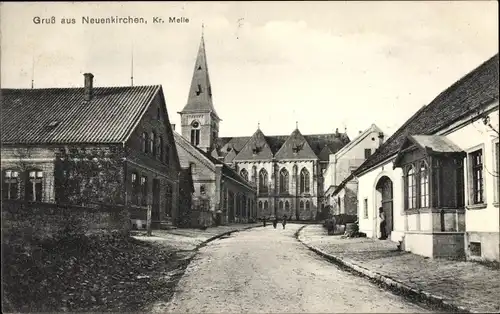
267, 270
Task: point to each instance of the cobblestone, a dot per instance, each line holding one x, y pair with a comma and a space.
464, 284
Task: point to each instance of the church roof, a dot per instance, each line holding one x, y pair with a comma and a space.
230, 147
296, 147
256, 148
200, 92
61, 115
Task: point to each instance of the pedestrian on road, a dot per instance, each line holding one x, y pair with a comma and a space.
383, 232
275, 222
264, 220
284, 221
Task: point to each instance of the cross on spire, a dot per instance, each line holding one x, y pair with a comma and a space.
297, 125
258, 125
202, 29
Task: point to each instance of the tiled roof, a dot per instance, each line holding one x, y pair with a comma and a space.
436, 143
317, 142
296, 147
61, 115
256, 148
464, 97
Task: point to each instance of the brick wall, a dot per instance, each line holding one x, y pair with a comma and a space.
48, 221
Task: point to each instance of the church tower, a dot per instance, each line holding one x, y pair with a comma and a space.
199, 121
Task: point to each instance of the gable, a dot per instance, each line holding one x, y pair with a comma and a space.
189, 154
256, 148
296, 147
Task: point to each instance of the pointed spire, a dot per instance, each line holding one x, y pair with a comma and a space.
200, 92
296, 125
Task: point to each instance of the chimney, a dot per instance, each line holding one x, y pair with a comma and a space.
380, 138
337, 132
88, 86
360, 132
172, 125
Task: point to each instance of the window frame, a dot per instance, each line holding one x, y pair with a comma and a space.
496, 170
305, 178
36, 183
471, 179
8, 182
284, 181
365, 208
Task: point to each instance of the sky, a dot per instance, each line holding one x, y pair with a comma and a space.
323, 65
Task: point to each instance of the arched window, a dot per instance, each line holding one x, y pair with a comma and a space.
263, 181
152, 144
144, 188
266, 205
308, 205
195, 133
202, 189
304, 181
244, 174
284, 183
281, 204
254, 174
145, 139
301, 206
287, 205
411, 188
10, 187
33, 187
260, 204
424, 185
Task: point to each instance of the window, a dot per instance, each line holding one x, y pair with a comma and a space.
254, 174
266, 205
145, 139
281, 204
144, 187
411, 188
152, 144
308, 205
161, 149
135, 188
260, 204
244, 174
11, 185
287, 205
284, 183
263, 181
368, 152
202, 189
424, 185
476, 161
33, 188
365, 208
304, 181
301, 205
195, 133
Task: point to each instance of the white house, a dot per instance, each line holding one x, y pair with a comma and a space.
341, 198
436, 178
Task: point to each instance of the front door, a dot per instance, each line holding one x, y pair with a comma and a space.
387, 205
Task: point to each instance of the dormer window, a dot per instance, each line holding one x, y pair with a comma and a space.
255, 150
199, 91
199, 67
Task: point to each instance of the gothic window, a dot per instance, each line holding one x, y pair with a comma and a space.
424, 185
260, 204
266, 205
195, 133
301, 205
145, 139
254, 174
10, 187
244, 174
152, 143
411, 187
287, 205
33, 187
284, 183
263, 181
281, 204
202, 189
308, 205
304, 181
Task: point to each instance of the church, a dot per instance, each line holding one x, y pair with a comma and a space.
285, 171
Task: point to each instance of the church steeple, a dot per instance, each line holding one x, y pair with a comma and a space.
200, 122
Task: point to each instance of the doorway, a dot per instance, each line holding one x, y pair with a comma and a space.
385, 195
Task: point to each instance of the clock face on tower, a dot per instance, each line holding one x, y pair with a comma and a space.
195, 124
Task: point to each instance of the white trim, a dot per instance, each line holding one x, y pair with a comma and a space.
472, 117
356, 141
27, 159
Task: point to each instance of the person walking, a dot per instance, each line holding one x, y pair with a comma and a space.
275, 222
383, 231
284, 221
264, 220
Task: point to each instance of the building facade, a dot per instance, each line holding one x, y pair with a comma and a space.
341, 198
286, 171
93, 142
436, 178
